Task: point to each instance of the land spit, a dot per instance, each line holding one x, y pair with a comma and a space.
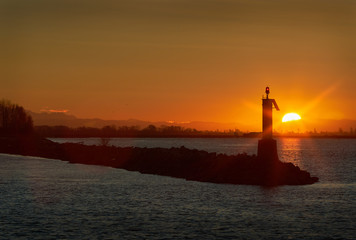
190, 164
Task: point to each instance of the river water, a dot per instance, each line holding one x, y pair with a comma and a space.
51, 199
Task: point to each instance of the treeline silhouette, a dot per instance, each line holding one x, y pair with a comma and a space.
14, 120
164, 131
126, 131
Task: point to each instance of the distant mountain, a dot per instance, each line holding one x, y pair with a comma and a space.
57, 119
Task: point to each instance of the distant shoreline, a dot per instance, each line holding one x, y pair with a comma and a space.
168, 132
217, 137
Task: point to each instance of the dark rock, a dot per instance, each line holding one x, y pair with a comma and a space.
190, 164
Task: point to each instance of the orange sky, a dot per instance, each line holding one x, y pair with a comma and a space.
159, 60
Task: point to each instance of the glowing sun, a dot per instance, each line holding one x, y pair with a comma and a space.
291, 117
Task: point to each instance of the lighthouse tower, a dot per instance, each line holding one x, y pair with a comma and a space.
267, 146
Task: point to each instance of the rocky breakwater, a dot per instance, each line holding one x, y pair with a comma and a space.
190, 164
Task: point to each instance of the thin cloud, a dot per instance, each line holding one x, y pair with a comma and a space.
54, 110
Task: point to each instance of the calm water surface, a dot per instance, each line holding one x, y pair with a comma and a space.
51, 199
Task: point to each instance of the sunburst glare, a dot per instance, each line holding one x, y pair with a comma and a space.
291, 117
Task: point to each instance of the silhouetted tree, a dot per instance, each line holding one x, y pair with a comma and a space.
14, 119
150, 130
109, 131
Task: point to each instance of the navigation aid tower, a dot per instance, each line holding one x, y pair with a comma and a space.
267, 146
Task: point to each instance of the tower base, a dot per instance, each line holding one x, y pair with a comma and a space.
267, 150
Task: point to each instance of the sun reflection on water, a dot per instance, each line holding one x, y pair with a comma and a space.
290, 151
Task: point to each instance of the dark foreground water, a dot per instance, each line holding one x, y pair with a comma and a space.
51, 199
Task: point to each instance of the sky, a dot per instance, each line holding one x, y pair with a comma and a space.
180, 60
